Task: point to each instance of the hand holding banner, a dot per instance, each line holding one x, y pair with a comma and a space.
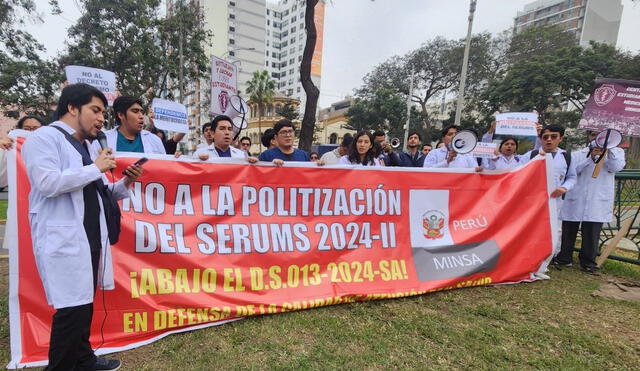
168, 115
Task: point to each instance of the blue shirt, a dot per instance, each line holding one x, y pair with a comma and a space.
125, 145
276, 153
222, 153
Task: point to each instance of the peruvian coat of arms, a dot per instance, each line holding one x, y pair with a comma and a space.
433, 223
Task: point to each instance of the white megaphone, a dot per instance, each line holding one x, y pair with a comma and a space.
463, 142
237, 111
605, 140
610, 138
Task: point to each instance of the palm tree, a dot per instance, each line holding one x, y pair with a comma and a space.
261, 89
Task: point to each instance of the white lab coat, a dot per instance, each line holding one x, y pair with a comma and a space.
561, 176
151, 142
502, 162
344, 160
591, 200
211, 151
56, 212
438, 158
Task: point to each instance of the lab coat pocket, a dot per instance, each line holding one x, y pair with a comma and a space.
62, 239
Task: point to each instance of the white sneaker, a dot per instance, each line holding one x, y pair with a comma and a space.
541, 276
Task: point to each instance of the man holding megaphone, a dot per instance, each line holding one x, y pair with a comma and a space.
590, 203
452, 154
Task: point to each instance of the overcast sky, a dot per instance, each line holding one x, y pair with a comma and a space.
358, 34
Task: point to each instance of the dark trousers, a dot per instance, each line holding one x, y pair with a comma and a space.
589, 246
69, 346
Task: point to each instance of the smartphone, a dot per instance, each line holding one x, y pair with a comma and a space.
140, 162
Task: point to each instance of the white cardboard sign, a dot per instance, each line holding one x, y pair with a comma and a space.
224, 84
103, 80
168, 115
517, 123
484, 150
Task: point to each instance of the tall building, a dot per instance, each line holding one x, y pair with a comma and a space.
285, 41
238, 34
597, 20
254, 35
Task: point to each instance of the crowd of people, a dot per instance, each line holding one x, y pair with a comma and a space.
66, 167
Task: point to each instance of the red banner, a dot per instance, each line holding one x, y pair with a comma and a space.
205, 243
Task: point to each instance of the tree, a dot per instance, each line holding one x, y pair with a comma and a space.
261, 89
538, 41
386, 111
28, 83
289, 111
312, 92
436, 66
130, 38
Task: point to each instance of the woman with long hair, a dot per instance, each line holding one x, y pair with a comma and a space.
507, 157
361, 151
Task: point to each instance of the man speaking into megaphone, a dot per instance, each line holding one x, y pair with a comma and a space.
456, 153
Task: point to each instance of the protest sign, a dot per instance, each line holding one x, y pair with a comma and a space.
104, 80
484, 150
517, 124
614, 104
168, 115
224, 84
200, 244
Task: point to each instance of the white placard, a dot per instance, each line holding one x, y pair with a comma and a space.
103, 80
168, 115
485, 150
517, 123
224, 84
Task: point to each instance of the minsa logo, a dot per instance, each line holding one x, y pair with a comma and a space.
433, 222
223, 101
604, 95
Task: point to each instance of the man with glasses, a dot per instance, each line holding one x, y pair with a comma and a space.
589, 204
564, 178
245, 145
284, 151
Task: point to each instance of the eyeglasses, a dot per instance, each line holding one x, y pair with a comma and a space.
593, 134
245, 144
550, 136
285, 132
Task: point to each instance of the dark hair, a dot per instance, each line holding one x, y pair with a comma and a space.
246, 138
552, 128
267, 137
346, 141
377, 133
214, 123
427, 144
446, 130
438, 143
354, 157
415, 133
281, 124
207, 125
76, 95
505, 139
122, 104
156, 131
314, 153
20, 123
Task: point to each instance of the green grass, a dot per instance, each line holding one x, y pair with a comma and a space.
554, 324
3, 209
